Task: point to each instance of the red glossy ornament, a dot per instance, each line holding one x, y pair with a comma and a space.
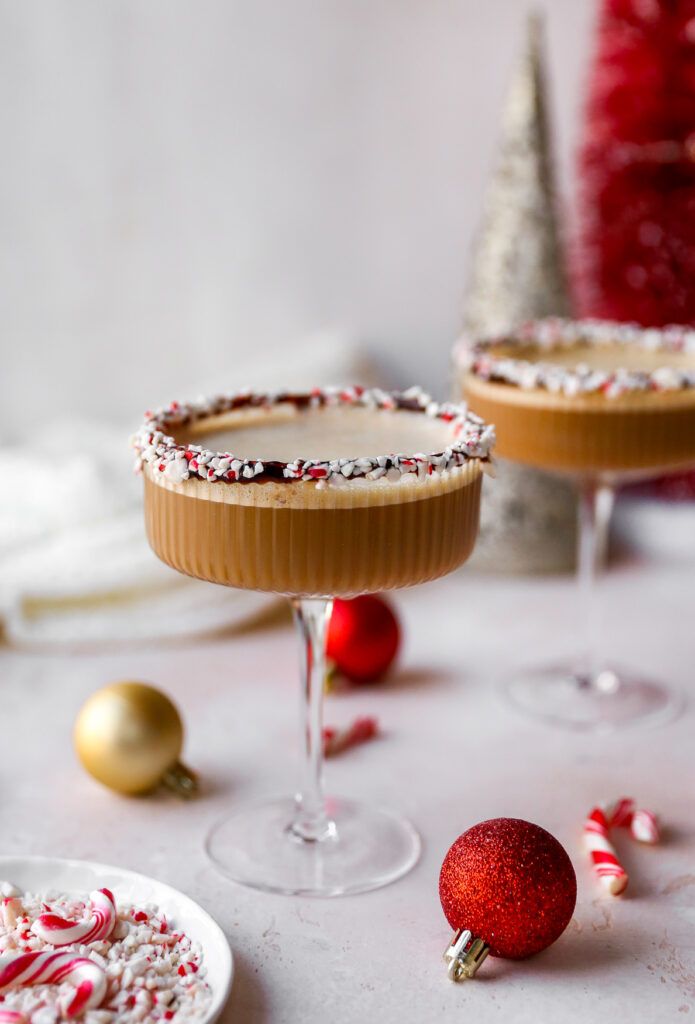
363, 637
511, 884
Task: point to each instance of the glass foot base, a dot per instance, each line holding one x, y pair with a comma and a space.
612, 700
370, 848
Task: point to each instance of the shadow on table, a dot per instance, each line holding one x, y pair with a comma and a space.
575, 953
676, 836
417, 678
640, 862
247, 1002
211, 785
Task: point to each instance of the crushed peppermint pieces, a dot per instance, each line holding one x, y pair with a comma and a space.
336, 741
477, 356
471, 439
152, 971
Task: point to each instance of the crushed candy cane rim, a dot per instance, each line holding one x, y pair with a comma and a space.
155, 447
475, 355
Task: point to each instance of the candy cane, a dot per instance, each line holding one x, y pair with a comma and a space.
620, 813
643, 826
60, 931
603, 856
335, 741
52, 969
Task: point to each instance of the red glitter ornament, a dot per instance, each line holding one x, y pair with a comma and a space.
363, 637
511, 884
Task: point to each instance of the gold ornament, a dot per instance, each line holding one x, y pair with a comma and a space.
129, 737
528, 517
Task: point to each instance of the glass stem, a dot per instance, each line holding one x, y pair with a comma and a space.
596, 501
311, 822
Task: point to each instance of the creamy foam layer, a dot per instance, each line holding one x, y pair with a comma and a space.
605, 357
477, 390
284, 433
354, 493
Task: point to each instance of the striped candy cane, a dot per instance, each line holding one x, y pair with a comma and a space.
620, 813
608, 868
53, 969
643, 826
60, 931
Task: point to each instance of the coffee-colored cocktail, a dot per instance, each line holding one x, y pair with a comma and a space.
296, 538
605, 403
585, 408
314, 496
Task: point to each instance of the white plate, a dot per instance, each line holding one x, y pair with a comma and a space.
39, 874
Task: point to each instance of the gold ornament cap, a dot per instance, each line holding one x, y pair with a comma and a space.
464, 955
129, 737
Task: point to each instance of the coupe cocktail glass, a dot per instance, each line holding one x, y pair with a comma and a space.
308, 496
606, 404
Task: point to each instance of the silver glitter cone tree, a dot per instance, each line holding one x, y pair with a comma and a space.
519, 274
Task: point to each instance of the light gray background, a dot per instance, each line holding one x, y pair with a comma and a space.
186, 183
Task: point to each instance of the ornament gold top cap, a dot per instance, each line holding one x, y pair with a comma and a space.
181, 780
464, 955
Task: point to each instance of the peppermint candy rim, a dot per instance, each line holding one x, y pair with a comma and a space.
474, 355
473, 439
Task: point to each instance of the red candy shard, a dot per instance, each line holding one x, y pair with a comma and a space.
335, 741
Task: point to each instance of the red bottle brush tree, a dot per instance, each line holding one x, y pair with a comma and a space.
636, 251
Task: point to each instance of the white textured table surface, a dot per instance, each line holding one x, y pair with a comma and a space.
453, 754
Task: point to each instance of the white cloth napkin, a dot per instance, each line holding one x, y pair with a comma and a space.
75, 567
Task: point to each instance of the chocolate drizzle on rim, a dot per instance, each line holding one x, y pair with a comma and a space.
476, 356
471, 439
